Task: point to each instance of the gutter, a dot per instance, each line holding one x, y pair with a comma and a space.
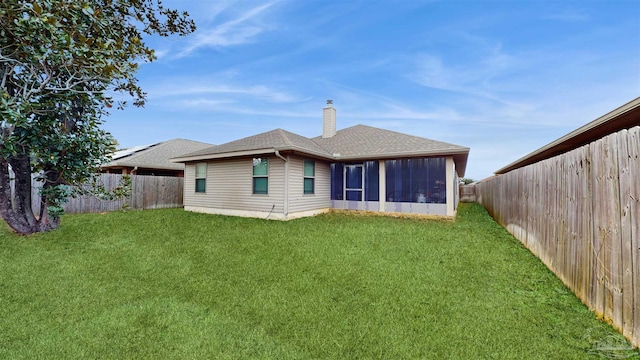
249, 153
280, 156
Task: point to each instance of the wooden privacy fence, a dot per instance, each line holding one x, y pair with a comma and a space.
467, 193
580, 214
147, 192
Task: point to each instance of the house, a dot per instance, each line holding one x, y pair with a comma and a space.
282, 175
153, 159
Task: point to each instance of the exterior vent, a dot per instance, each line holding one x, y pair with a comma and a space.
329, 120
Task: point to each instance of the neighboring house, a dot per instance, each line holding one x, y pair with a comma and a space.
282, 175
153, 159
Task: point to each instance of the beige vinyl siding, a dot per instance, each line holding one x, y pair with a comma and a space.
191, 198
230, 186
321, 199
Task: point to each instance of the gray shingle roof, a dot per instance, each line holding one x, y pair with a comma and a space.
361, 141
157, 156
357, 142
275, 139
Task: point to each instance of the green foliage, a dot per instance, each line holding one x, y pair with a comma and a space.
122, 191
466, 181
58, 62
169, 284
57, 196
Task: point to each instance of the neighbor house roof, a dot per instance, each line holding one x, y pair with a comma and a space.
155, 156
358, 142
129, 151
624, 117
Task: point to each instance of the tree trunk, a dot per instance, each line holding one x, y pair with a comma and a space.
15, 207
21, 167
6, 205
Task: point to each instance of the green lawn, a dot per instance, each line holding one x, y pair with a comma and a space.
168, 284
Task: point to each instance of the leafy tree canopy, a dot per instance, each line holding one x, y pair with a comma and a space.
59, 60
466, 181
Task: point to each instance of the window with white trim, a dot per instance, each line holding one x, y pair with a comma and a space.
309, 177
261, 176
201, 177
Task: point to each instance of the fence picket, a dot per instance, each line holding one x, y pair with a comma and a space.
147, 192
626, 316
634, 215
579, 213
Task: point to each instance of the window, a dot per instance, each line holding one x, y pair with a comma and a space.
371, 181
201, 177
353, 182
337, 181
309, 176
346, 171
417, 180
261, 176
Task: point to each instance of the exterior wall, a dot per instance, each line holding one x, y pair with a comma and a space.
452, 187
417, 208
256, 214
382, 185
357, 205
393, 207
298, 201
230, 186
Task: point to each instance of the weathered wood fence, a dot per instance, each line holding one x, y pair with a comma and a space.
467, 193
147, 192
580, 214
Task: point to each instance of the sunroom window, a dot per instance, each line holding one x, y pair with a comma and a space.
417, 180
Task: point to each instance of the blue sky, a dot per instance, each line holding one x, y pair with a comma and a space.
501, 77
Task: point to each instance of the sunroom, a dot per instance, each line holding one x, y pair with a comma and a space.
422, 185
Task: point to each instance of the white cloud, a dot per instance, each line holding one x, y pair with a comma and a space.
239, 30
201, 103
568, 15
178, 88
475, 77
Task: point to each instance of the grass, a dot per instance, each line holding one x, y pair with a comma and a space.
172, 284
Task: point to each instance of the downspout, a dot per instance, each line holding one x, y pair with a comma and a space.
285, 207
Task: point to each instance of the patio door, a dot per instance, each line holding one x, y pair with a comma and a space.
353, 182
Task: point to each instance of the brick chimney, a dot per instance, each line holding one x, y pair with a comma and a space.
328, 120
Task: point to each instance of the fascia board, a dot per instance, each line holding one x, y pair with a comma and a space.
223, 155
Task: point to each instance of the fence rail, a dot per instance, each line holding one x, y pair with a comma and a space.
580, 214
147, 192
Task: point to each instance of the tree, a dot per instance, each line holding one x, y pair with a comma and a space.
59, 61
466, 181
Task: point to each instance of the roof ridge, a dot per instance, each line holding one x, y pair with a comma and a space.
284, 136
405, 134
